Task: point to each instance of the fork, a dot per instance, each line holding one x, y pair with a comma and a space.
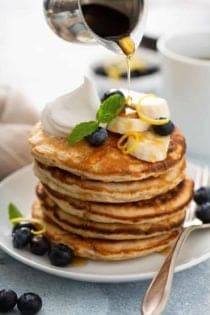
158, 292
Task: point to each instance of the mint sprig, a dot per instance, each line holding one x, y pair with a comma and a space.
81, 131
14, 212
108, 110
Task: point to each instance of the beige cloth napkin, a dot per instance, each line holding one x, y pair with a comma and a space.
17, 116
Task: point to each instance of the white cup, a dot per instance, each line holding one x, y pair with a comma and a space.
186, 85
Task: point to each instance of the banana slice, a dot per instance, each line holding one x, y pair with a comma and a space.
149, 108
154, 107
122, 125
150, 147
127, 121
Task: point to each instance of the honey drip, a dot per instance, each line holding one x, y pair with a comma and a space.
128, 47
128, 59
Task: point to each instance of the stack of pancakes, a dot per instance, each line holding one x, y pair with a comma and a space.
105, 204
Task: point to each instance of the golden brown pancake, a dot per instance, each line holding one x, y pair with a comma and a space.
105, 204
106, 163
128, 213
114, 231
90, 190
104, 249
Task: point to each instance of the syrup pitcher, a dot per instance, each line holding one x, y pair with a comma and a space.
116, 24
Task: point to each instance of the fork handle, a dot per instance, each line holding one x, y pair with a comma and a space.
158, 292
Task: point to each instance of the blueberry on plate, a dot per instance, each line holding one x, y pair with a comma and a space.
110, 93
39, 245
8, 300
203, 212
202, 195
21, 237
98, 137
23, 224
164, 130
29, 303
60, 255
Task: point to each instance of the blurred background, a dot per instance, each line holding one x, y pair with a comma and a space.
42, 66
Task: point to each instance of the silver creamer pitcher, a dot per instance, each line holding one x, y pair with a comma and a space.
97, 21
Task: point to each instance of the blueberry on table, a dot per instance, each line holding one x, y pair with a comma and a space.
23, 224
202, 195
29, 303
110, 93
39, 245
98, 137
21, 237
8, 300
60, 255
164, 130
203, 212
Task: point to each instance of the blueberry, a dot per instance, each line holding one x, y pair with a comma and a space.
100, 71
110, 93
60, 255
21, 237
39, 245
203, 212
124, 75
152, 70
23, 224
164, 130
202, 195
98, 137
8, 300
137, 73
29, 303
134, 74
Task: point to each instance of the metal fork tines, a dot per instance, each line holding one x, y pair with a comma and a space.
201, 178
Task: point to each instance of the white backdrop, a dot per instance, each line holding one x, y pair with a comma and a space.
34, 60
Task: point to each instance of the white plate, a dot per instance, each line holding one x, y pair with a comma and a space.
19, 189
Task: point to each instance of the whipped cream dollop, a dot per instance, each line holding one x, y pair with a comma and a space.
64, 113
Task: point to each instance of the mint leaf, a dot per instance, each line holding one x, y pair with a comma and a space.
14, 212
81, 131
110, 108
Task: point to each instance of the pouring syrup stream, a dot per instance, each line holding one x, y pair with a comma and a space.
112, 25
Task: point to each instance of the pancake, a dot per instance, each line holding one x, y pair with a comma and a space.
89, 190
129, 213
113, 231
106, 163
98, 249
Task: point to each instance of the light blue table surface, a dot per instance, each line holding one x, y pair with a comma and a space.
190, 293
